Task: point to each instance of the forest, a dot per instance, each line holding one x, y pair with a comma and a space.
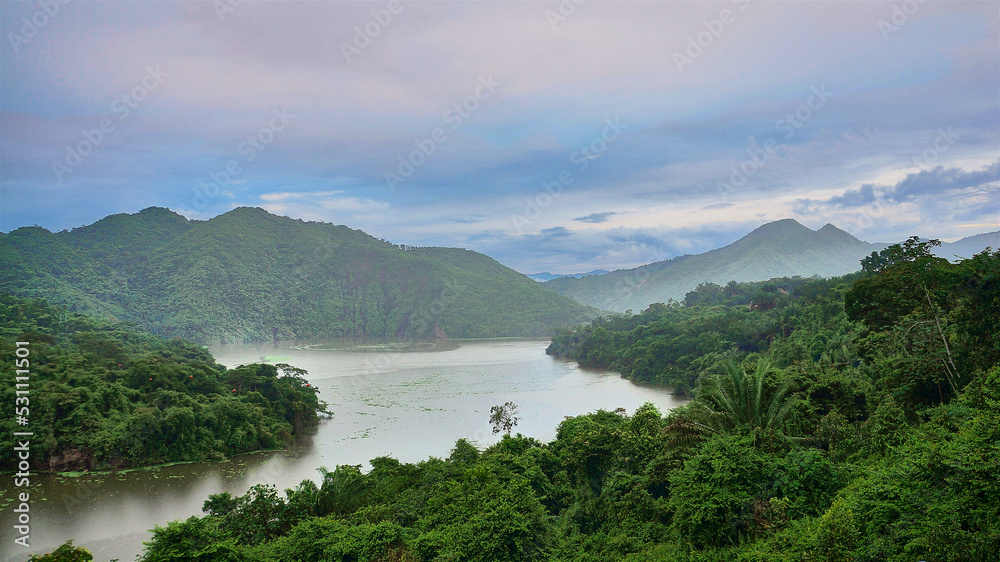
848, 419
104, 395
248, 275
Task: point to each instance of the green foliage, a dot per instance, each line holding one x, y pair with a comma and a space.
808, 480
927, 323
251, 276
739, 402
65, 553
716, 496
482, 515
341, 492
791, 319
610, 487
504, 418
910, 250
106, 396
195, 539
935, 496
327, 539
823, 427
258, 516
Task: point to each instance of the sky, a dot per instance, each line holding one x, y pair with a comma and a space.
558, 136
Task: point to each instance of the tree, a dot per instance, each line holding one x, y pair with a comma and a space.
65, 553
735, 403
504, 417
342, 491
910, 250
194, 539
712, 498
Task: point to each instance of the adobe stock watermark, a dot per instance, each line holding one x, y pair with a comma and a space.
123, 106
365, 34
901, 14
223, 7
249, 149
454, 117
761, 153
580, 158
33, 25
562, 12
714, 28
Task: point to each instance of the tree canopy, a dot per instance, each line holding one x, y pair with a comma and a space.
820, 429
105, 395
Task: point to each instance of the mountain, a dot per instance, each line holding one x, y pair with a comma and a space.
968, 246
546, 276
248, 275
782, 248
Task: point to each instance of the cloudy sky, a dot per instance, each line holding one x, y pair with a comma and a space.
552, 136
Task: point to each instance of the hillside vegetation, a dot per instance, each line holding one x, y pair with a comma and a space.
105, 396
855, 419
248, 276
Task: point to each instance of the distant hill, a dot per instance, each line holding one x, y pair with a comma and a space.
546, 276
783, 248
248, 275
968, 246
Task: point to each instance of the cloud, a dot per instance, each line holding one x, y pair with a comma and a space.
864, 195
687, 131
596, 218
555, 232
289, 195
564, 250
939, 181
472, 219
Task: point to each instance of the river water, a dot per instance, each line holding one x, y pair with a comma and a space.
408, 405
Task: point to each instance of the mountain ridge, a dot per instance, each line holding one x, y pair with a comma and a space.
248, 275
548, 276
783, 248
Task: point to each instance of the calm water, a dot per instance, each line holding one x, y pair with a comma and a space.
405, 405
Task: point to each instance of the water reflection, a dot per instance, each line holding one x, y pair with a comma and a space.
409, 405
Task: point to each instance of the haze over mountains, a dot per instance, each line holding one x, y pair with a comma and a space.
968, 246
548, 276
248, 275
782, 248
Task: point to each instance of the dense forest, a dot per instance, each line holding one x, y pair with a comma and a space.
103, 395
249, 275
792, 320
850, 419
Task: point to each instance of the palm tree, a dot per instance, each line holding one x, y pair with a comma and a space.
341, 492
735, 402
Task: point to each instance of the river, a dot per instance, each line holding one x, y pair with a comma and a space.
408, 405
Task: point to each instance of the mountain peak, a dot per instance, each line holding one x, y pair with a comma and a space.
249, 275
780, 229
159, 212
832, 232
127, 234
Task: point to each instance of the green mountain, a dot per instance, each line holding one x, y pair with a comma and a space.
782, 248
248, 275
